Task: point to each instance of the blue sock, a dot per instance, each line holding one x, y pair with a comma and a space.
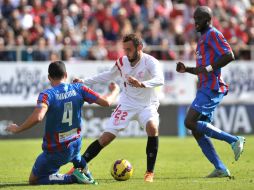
56, 179
210, 153
79, 162
211, 131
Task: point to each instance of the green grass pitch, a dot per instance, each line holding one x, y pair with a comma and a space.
180, 165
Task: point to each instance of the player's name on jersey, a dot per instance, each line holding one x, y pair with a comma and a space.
66, 95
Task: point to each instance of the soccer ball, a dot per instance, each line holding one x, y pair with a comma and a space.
121, 170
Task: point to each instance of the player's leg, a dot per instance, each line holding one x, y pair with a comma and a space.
150, 118
118, 121
94, 149
204, 142
81, 171
45, 171
206, 105
32, 179
152, 144
151, 149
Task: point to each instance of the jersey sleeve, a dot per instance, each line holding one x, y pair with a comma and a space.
44, 97
154, 68
88, 94
219, 44
103, 77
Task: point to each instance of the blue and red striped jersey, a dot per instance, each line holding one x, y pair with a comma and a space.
211, 46
63, 118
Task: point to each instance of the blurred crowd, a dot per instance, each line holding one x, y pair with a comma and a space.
42, 30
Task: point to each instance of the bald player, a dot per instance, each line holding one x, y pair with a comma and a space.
212, 53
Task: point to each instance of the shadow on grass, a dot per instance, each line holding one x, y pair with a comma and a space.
4, 185
111, 180
106, 181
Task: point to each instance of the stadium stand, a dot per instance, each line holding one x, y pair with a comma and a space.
42, 30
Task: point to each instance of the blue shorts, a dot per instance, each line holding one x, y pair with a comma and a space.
205, 104
49, 163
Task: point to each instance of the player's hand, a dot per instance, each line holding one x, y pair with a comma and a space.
114, 87
12, 128
180, 67
75, 80
134, 82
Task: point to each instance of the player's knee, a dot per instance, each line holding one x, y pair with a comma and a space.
189, 124
32, 182
32, 179
106, 138
152, 130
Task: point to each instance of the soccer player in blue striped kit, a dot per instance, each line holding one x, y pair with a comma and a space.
213, 52
62, 105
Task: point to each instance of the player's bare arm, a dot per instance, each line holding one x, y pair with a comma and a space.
36, 117
136, 83
181, 68
223, 61
108, 99
103, 77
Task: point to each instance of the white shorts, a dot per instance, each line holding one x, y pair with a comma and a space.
120, 118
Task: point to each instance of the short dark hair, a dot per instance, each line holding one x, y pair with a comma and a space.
134, 38
57, 70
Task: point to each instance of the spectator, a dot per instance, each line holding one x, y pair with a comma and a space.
85, 46
41, 53
6, 9
54, 56
25, 54
99, 51
26, 18
59, 21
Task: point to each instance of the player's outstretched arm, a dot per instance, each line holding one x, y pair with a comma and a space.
36, 117
181, 68
100, 78
108, 99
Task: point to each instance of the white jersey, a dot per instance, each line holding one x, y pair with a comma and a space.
147, 70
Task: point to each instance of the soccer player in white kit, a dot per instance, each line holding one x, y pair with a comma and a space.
140, 74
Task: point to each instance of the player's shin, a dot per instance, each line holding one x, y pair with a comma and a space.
211, 131
151, 152
92, 151
210, 153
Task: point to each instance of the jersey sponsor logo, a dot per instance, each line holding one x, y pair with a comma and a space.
66, 95
141, 74
198, 55
69, 135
